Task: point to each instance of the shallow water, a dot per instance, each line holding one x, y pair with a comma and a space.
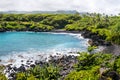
17, 43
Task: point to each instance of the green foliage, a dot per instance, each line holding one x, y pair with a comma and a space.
107, 27
91, 48
115, 33
2, 77
74, 27
36, 22
117, 65
40, 73
89, 67
92, 74
103, 25
87, 61
40, 27
21, 76
2, 68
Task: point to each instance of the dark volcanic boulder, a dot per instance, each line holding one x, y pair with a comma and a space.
111, 74
22, 68
2, 30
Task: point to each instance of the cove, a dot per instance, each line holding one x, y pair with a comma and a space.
32, 43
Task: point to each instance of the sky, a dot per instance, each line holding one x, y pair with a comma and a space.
99, 6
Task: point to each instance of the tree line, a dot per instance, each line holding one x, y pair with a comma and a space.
106, 26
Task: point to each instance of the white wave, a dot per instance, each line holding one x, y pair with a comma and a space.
77, 35
18, 58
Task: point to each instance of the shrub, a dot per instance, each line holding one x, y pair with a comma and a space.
40, 73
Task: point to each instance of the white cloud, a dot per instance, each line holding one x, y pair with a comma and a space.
102, 6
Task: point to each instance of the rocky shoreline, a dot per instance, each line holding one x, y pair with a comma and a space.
95, 39
65, 62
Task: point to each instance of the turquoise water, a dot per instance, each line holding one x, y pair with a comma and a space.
16, 42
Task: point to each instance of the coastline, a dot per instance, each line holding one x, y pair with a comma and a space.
94, 39
66, 62
24, 62
28, 63
11, 60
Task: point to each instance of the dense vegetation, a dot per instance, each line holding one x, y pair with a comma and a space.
103, 25
90, 66
39, 73
96, 66
35, 22
2, 76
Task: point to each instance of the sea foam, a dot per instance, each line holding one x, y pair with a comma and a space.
18, 58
